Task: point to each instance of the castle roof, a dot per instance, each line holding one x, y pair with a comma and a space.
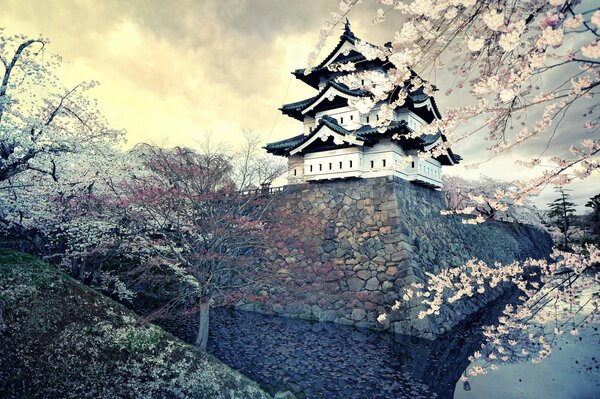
332, 89
336, 56
364, 136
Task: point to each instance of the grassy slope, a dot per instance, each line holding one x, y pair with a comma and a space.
59, 339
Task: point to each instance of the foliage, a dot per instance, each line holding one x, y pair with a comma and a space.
58, 159
594, 218
594, 203
53, 140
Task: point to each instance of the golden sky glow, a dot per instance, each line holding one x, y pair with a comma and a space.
170, 71
174, 71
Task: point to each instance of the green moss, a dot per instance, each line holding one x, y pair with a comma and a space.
139, 339
62, 339
28, 270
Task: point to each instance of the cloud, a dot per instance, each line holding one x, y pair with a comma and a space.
172, 71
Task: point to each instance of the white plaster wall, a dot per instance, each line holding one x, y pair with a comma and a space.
295, 169
412, 120
348, 117
365, 162
428, 171
333, 164
309, 124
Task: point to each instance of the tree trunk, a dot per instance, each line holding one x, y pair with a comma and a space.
82, 271
565, 220
202, 337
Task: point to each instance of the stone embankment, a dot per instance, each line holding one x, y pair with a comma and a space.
377, 236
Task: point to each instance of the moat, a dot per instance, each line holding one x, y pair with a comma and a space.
326, 360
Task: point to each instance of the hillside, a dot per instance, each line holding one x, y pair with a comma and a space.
59, 339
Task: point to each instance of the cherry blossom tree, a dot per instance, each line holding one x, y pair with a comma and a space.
59, 163
203, 227
483, 200
528, 66
54, 143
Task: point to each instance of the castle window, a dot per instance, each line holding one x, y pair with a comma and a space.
384, 163
367, 119
362, 82
341, 165
320, 167
351, 117
311, 168
377, 116
350, 163
372, 164
311, 129
342, 119
330, 166
412, 164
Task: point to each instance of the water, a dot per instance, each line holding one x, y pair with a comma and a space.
325, 360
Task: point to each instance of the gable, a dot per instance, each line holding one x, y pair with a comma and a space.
323, 135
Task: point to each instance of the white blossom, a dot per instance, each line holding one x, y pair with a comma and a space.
493, 19
595, 19
592, 50
475, 44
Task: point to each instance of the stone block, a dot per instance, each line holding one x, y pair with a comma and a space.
392, 238
363, 274
372, 284
387, 286
388, 205
400, 256
380, 260
355, 284
343, 321
385, 229
358, 314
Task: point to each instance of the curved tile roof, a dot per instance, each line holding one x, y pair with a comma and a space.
295, 109
366, 133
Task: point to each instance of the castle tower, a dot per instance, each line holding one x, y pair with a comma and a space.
339, 142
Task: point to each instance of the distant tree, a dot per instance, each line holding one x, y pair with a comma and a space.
594, 217
594, 203
562, 213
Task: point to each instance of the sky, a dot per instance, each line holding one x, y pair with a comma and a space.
170, 72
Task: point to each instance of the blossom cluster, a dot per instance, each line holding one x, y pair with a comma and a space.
497, 52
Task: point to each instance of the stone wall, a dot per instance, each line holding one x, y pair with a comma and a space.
376, 236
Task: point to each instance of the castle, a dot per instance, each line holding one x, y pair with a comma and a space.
378, 208
340, 142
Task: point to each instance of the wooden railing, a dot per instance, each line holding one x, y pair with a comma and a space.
263, 191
